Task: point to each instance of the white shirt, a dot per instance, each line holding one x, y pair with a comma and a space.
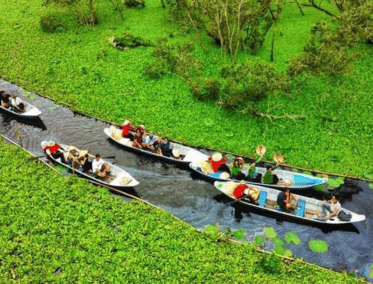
335, 206
16, 101
97, 165
149, 140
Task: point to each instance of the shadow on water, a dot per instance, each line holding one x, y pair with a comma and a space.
35, 122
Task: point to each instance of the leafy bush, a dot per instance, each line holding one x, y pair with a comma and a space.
127, 40
270, 264
245, 83
135, 3
50, 23
207, 90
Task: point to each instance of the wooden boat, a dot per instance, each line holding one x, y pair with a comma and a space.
117, 178
187, 154
29, 112
306, 208
292, 180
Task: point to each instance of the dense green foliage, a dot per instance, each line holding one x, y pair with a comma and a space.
311, 125
62, 229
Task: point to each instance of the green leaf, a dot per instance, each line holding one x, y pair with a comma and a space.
239, 234
335, 182
208, 121
318, 246
270, 232
259, 240
320, 188
292, 237
368, 175
371, 185
277, 241
212, 232
279, 250
288, 253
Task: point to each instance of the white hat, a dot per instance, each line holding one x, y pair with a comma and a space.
141, 126
175, 153
51, 143
217, 157
82, 153
44, 144
126, 122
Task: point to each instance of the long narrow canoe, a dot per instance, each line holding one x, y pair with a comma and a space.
30, 111
306, 209
292, 180
117, 178
187, 154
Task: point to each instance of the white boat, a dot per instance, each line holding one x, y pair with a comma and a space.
187, 154
30, 111
292, 180
306, 208
117, 178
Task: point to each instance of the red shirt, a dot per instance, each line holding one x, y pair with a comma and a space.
216, 165
238, 191
127, 128
53, 149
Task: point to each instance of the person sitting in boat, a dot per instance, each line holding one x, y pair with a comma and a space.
176, 154
84, 162
165, 147
126, 130
71, 156
237, 166
53, 149
137, 139
253, 174
149, 142
330, 209
141, 128
99, 167
218, 163
243, 190
17, 104
285, 200
270, 177
5, 100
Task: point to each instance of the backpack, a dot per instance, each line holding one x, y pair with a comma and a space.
344, 216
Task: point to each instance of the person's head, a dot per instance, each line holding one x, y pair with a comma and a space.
334, 198
151, 134
138, 131
269, 168
165, 140
98, 157
127, 122
285, 190
236, 162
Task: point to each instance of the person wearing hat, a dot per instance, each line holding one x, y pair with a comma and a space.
5, 100
218, 163
99, 167
137, 139
82, 162
53, 149
127, 128
285, 199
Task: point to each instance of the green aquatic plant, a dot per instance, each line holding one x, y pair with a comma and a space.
270, 232
212, 232
277, 241
279, 249
292, 237
239, 234
334, 183
371, 272
208, 121
259, 240
368, 175
318, 246
371, 185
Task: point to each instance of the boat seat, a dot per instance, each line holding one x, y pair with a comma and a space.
215, 174
262, 198
301, 207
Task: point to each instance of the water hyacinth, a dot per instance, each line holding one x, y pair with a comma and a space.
318, 246
270, 232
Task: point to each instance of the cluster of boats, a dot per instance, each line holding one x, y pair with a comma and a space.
307, 208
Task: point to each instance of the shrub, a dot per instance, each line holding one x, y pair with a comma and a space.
135, 3
50, 24
128, 40
208, 90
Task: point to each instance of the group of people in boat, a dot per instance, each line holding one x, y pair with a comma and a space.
11, 102
78, 159
148, 141
219, 164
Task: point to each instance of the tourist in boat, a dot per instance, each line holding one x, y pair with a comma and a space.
141, 128
149, 142
270, 177
253, 174
165, 147
243, 190
17, 104
137, 139
218, 163
127, 128
236, 170
99, 167
285, 200
330, 209
5, 100
53, 149
84, 162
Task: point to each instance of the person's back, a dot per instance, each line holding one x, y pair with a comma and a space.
165, 147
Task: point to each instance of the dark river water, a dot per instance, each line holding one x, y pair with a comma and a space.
194, 200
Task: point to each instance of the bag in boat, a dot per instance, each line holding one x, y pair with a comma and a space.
344, 216
116, 134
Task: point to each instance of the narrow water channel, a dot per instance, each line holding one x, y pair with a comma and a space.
196, 201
